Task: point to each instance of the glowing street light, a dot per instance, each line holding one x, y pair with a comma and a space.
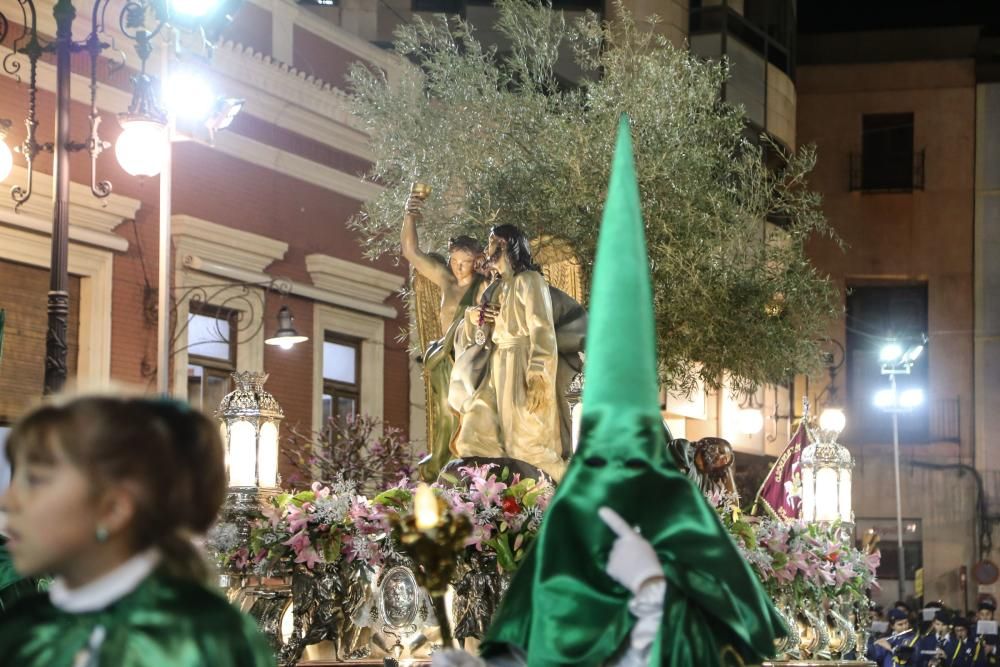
142, 146
911, 398
193, 8
832, 420
286, 337
750, 420
890, 352
188, 95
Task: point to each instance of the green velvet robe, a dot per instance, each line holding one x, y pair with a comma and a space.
12, 585
438, 361
164, 622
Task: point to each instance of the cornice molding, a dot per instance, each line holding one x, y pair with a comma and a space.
297, 101
112, 100
235, 247
334, 34
352, 279
92, 220
296, 166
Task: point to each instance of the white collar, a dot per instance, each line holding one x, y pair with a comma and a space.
106, 589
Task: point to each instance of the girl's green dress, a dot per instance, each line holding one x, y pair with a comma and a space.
164, 621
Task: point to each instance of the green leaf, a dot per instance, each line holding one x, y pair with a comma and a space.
303, 497
519, 490
331, 549
530, 498
395, 497
505, 558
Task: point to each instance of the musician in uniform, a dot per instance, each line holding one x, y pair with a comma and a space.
898, 648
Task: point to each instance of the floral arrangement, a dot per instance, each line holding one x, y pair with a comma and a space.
327, 523
364, 449
309, 527
798, 559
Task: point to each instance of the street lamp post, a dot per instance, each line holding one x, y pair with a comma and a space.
140, 148
29, 44
899, 502
897, 361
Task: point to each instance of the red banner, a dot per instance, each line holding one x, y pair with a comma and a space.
781, 493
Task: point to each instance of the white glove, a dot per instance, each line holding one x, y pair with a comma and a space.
452, 658
632, 561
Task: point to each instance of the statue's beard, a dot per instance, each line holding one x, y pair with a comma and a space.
491, 260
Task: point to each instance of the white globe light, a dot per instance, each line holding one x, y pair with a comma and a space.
885, 398
750, 421
193, 8
142, 147
890, 352
911, 398
188, 95
6, 161
832, 420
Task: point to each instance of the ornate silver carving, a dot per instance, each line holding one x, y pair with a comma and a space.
249, 399
399, 597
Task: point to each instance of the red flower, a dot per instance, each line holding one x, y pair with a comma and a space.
510, 506
833, 556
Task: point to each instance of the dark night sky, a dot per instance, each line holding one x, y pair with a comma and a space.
816, 16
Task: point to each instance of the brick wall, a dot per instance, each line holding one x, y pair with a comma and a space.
225, 190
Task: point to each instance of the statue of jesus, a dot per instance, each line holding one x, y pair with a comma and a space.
513, 409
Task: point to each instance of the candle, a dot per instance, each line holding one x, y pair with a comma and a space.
425, 508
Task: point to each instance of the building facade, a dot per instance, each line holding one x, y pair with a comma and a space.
898, 113
259, 222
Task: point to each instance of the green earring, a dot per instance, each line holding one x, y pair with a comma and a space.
102, 534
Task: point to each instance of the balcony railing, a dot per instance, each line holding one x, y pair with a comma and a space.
887, 173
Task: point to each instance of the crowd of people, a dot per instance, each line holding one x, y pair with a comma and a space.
933, 636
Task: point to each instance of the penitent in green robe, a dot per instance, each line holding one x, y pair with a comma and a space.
164, 622
562, 609
439, 358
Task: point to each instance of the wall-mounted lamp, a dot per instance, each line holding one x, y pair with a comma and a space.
286, 336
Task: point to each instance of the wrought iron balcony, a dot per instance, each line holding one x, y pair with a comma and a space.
903, 172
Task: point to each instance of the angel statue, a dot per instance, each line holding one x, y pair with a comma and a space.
440, 309
460, 285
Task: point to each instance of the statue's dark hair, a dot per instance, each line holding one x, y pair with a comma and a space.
518, 249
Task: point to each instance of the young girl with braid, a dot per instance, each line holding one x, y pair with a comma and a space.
106, 494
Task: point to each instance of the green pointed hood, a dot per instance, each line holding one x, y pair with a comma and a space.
620, 370
561, 607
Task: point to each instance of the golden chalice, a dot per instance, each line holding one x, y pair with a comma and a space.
420, 190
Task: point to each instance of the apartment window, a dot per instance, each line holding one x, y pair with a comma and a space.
876, 314
341, 377
887, 151
211, 334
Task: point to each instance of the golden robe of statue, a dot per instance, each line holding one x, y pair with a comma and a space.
509, 407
